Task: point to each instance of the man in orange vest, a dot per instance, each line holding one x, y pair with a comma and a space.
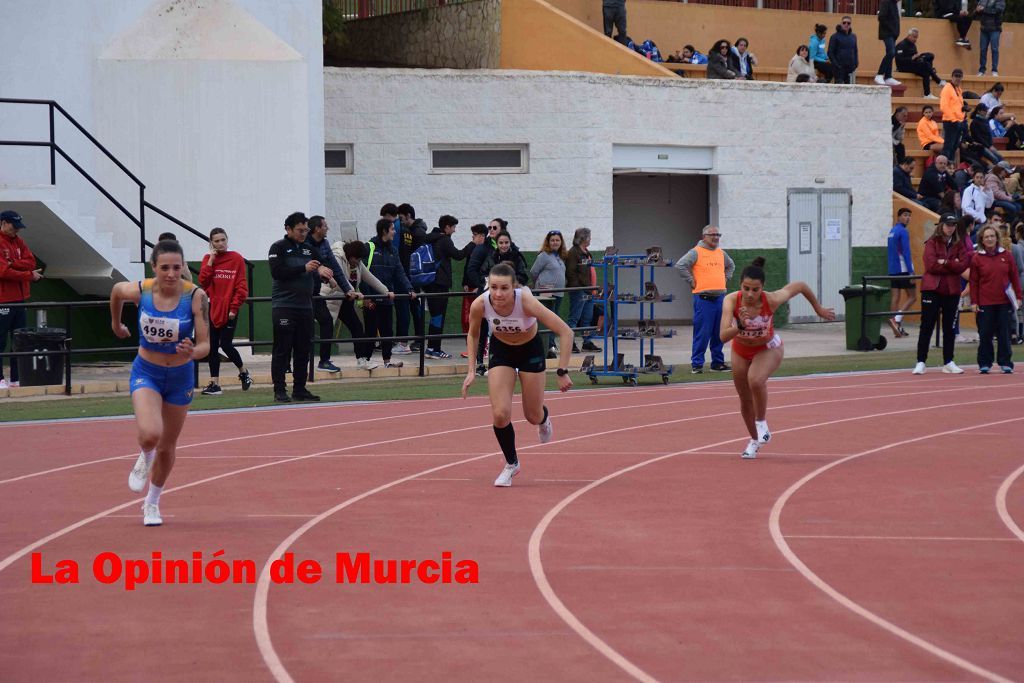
707, 268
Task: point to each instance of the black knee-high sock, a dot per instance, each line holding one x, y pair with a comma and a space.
507, 440
545, 415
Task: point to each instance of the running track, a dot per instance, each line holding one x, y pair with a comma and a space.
877, 537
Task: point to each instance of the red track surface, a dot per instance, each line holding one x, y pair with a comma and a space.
877, 537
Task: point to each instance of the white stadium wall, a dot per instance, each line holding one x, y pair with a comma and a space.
767, 137
216, 105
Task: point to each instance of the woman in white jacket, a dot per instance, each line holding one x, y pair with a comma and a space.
799, 64
976, 199
358, 273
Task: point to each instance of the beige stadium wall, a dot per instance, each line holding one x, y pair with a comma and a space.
538, 37
775, 34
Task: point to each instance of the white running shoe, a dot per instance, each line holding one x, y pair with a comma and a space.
764, 435
366, 364
879, 80
752, 448
893, 81
151, 515
139, 475
4, 384
952, 368
505, 478
545, 430
401, 350
931, 97
918, 369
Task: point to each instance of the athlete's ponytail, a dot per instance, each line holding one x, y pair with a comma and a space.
755, 271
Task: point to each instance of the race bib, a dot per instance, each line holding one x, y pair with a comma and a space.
508, 325
159, 330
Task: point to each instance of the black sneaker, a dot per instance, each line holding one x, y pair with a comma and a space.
282, 397
481, 370
720, 367
575, 349
304, 395
552, 353
328, 366
590, 346
212, 389
246, 379
697, 369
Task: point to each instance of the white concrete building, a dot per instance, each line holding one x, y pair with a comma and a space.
640, 161
215, 105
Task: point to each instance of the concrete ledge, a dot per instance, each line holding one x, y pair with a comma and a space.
440, 370
21, 392
384, 372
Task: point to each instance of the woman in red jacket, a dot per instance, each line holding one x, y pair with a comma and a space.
995, 291
222, 276
945, 259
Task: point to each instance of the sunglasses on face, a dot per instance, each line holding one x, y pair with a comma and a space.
553, 233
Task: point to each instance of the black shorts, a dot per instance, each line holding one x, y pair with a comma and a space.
528, 357
901, 283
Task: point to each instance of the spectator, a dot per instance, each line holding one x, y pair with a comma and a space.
186, 273
956, 12
707, 269
842, 51
945, 258
976, 199
614, 12
414, 233
325, 255
981, 135
995, 292
800, 65
741, 60
901, 262
935, 183
440, 239
993, 98
899, 122
479, 236
718, 62
995, 183
951, 203
476, 275
295, 272
579, 272
928, 130
951, 104
222, 277
17, 271
908, 59
387, 268
357, 275
962, 176
901, 182
991, 17
818, 49
691, 56
1018, 258
508, 253
548, 272
888, 32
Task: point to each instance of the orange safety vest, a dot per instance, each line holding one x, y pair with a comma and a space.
709, 270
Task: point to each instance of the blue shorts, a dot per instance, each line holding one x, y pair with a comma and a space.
175, 385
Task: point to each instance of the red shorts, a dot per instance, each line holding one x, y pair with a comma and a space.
748, 352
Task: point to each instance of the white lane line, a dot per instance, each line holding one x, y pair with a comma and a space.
554, 397
570, 481
444, 479
280, 515
537, 566
261, 628
1004, 512
777, 455
958, 539
819, 583
475, 406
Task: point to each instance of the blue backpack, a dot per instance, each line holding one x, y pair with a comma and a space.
422, 266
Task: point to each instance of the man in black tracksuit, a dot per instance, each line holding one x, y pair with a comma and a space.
385, 265
445, 251
414, 232
296, 275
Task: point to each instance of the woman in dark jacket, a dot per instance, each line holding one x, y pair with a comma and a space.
508, 253
945, 259
981, 135
718, 61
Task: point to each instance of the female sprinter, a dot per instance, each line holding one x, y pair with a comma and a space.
512, 313
747, 319
170, 309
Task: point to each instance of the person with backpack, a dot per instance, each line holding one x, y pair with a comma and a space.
991, 12
413, 233
386, 267
442, 251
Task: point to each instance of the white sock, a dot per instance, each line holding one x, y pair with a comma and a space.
899, 318
761, 426
149, 456
153, 495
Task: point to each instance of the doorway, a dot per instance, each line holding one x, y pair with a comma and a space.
820, 248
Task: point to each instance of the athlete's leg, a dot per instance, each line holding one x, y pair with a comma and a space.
761, 368
532, 384
501, 382
147, 405
740, 369
174, 420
